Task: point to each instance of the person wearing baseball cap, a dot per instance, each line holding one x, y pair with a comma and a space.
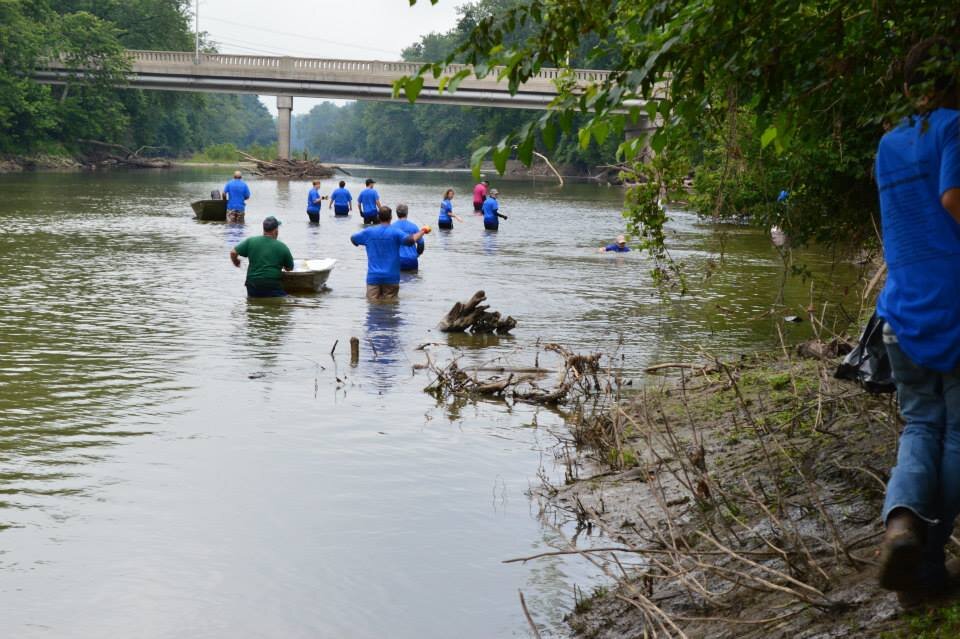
266, 257
619, 247
369, 203
491, 211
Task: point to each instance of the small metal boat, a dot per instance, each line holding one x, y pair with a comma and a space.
210, 210
308, 276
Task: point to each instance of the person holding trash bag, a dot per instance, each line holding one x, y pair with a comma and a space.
918, 177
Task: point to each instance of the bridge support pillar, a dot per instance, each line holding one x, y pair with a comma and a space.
642, 128
284, 109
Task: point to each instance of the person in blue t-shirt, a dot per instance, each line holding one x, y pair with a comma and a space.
918, 177
408, 254
314, 200
236, 193
620, 246
369, 203
447, 216
491, 211
383, 243
340, 200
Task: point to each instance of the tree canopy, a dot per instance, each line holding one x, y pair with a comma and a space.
94, 34
761, 96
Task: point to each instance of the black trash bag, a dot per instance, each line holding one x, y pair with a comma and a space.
868, 363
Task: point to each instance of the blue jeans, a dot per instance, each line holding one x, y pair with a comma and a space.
926, 479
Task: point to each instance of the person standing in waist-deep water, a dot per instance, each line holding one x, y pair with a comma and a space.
447, 216
479, 195
236, 192
314, 200
620, 246
408, 254
340, 200
369, 203
918, 177
383, 243
491, 211
267, 256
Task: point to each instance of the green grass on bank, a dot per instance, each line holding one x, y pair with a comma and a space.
230, 153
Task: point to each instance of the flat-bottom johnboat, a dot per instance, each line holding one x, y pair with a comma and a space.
308, 276
210, 210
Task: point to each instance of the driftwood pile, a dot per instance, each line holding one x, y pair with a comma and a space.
474, 317
578, 376
291, 169
97, 153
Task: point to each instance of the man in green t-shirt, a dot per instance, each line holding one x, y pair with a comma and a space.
267, 256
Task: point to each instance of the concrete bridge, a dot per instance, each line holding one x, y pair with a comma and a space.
288, 77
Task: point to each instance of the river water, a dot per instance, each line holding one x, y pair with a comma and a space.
176, 460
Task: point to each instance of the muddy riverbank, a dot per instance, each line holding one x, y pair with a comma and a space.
740, 499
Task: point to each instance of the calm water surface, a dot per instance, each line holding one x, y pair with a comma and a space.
176, 460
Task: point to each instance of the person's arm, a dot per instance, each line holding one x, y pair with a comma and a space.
237, 251
951, 201
413, 238
421, 245
246, 192
288, 261
358, 238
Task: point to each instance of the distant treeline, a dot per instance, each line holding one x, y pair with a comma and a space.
36, 117
398, 133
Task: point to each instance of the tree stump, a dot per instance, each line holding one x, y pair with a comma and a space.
473, 316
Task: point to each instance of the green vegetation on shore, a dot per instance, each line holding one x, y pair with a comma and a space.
37, 118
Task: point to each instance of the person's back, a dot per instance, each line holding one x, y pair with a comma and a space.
267, 257
340, 199
916, 163
409, 252
383, 244
490, 209
367, 201
479, 195
237, 193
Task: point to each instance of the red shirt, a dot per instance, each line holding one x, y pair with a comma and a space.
479, 193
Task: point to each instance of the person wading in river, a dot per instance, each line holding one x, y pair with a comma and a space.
340, 200
620, 246
383, 243
479, 195
369, 203
447, 216
491, 211
314, 200
267, 256
408, 254
918, 176
236, 192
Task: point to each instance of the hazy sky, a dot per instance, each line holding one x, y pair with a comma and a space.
351, 29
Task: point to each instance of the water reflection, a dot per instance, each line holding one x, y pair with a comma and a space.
383, 332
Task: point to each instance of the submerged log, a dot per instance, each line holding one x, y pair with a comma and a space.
473, 316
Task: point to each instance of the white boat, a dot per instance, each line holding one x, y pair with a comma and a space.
307, 276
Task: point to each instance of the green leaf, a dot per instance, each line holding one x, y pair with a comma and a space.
476, 161
412, 88
500, 156
584, 136
600, 131
525, 151
549, 135
768, 136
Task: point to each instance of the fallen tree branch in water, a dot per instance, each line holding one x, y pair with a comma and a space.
473, 316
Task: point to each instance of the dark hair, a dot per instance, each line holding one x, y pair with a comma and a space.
446, 193
402, 210
385, 214
369, 181
342, 184
935, 52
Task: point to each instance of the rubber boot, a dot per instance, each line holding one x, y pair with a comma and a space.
901, 551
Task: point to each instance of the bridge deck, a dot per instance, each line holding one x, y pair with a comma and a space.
318, 77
